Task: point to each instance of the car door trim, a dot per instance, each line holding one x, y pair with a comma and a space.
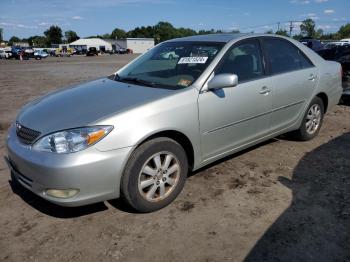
250, 118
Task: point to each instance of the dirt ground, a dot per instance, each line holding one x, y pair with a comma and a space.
280, 201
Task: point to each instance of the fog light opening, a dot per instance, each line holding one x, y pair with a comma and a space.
62, 193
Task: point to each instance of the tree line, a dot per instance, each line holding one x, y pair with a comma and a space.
163, 31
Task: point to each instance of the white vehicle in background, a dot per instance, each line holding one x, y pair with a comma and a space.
5, 53
39, 54
169, 55
346, 40
330, 45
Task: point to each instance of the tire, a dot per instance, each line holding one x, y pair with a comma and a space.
154, 189
311, 119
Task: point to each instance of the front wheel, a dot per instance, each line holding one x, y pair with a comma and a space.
155, 174
312, 120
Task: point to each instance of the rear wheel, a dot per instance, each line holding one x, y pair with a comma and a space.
312, 121
155, 174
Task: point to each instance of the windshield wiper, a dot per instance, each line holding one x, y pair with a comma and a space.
134, 80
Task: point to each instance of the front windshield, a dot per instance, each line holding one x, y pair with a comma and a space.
173, 65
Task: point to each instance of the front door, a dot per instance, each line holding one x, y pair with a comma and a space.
234, 116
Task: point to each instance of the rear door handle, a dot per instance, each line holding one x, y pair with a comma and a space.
265, 90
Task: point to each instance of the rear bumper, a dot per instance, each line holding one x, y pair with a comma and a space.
94, 173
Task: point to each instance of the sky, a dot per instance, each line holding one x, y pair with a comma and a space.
24, 18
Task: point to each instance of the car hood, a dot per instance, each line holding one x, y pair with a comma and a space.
85, 104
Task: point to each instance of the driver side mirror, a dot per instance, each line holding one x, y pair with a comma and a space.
222, 81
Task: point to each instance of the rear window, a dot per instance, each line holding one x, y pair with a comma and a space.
284, 57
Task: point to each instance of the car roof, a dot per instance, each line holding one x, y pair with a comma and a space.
225, 38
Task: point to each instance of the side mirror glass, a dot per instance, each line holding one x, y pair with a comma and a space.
222, 81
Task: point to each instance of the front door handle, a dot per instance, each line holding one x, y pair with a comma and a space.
265, 90
312, 77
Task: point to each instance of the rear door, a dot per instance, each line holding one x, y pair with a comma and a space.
294, 78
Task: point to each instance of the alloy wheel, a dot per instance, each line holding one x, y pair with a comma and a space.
159, 176
313, 119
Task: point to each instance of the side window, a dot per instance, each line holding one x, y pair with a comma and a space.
284, 57
244, 60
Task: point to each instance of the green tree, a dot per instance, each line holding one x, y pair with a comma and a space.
71, 36
1, 34
37, 41
144, 31
53, 35
330, 36
298, 37
282, 32
344, 31
307, 28
118, 33
269, 32
318, 34
14, 39
164, 31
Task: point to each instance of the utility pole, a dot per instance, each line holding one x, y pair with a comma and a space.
278, 26
291, 26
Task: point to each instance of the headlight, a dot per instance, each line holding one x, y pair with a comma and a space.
72, 140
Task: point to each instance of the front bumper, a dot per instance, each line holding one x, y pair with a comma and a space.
94, 173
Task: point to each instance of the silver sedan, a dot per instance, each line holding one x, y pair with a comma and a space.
137, 133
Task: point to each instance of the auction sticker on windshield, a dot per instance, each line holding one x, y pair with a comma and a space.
193, 60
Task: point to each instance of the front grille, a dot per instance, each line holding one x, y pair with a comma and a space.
26, 135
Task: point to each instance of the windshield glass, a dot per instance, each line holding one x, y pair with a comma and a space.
171, 65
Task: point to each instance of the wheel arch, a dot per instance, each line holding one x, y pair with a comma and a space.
177, 136
324, 99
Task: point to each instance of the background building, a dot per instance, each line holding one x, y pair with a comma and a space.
86, 43
137, 45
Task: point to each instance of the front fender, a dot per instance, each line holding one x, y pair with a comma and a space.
177, 112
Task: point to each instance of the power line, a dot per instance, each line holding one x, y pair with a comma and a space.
290, 24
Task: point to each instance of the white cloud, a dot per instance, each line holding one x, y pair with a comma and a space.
325, 27
313, 16
43, 24
329, 11
300, 2
77, 17
13, 25
233, 27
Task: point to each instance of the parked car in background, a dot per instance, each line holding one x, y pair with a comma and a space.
121, 51
39, 54
24, 53
312, 43
334, 44
138, 133
5, 53
63, 52
29, 52
169, 55
92, 51
340, 54
51, 51
80, 51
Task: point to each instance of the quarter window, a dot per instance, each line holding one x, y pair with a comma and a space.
284, 57
244, 60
